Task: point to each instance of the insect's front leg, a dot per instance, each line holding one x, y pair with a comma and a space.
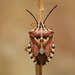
34, 25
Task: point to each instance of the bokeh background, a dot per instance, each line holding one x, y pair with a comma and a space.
15, 25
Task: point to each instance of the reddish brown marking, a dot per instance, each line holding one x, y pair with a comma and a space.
48, 47
41, 33
34, 47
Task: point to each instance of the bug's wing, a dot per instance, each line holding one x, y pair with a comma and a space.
48, 47
34, 46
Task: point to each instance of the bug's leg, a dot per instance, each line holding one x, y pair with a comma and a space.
51, 54
34, 25
26, 49
31, 53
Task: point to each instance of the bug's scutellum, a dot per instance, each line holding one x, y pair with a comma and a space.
41, 46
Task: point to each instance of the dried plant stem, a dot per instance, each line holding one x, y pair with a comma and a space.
41, 9
38, 69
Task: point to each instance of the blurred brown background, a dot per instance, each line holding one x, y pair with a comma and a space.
15, 25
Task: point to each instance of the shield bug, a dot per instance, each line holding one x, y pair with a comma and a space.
41, 46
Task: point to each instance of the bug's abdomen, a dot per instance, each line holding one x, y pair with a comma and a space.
41, 58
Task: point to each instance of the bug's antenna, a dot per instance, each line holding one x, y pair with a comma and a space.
32, 15
49, 13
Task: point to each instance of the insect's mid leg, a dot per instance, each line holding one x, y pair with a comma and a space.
26, 49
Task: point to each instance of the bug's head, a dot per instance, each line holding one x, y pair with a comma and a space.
39, 38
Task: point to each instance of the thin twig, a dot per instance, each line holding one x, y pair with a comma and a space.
38, 69
41, 9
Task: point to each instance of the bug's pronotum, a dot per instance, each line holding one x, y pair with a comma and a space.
41, 46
